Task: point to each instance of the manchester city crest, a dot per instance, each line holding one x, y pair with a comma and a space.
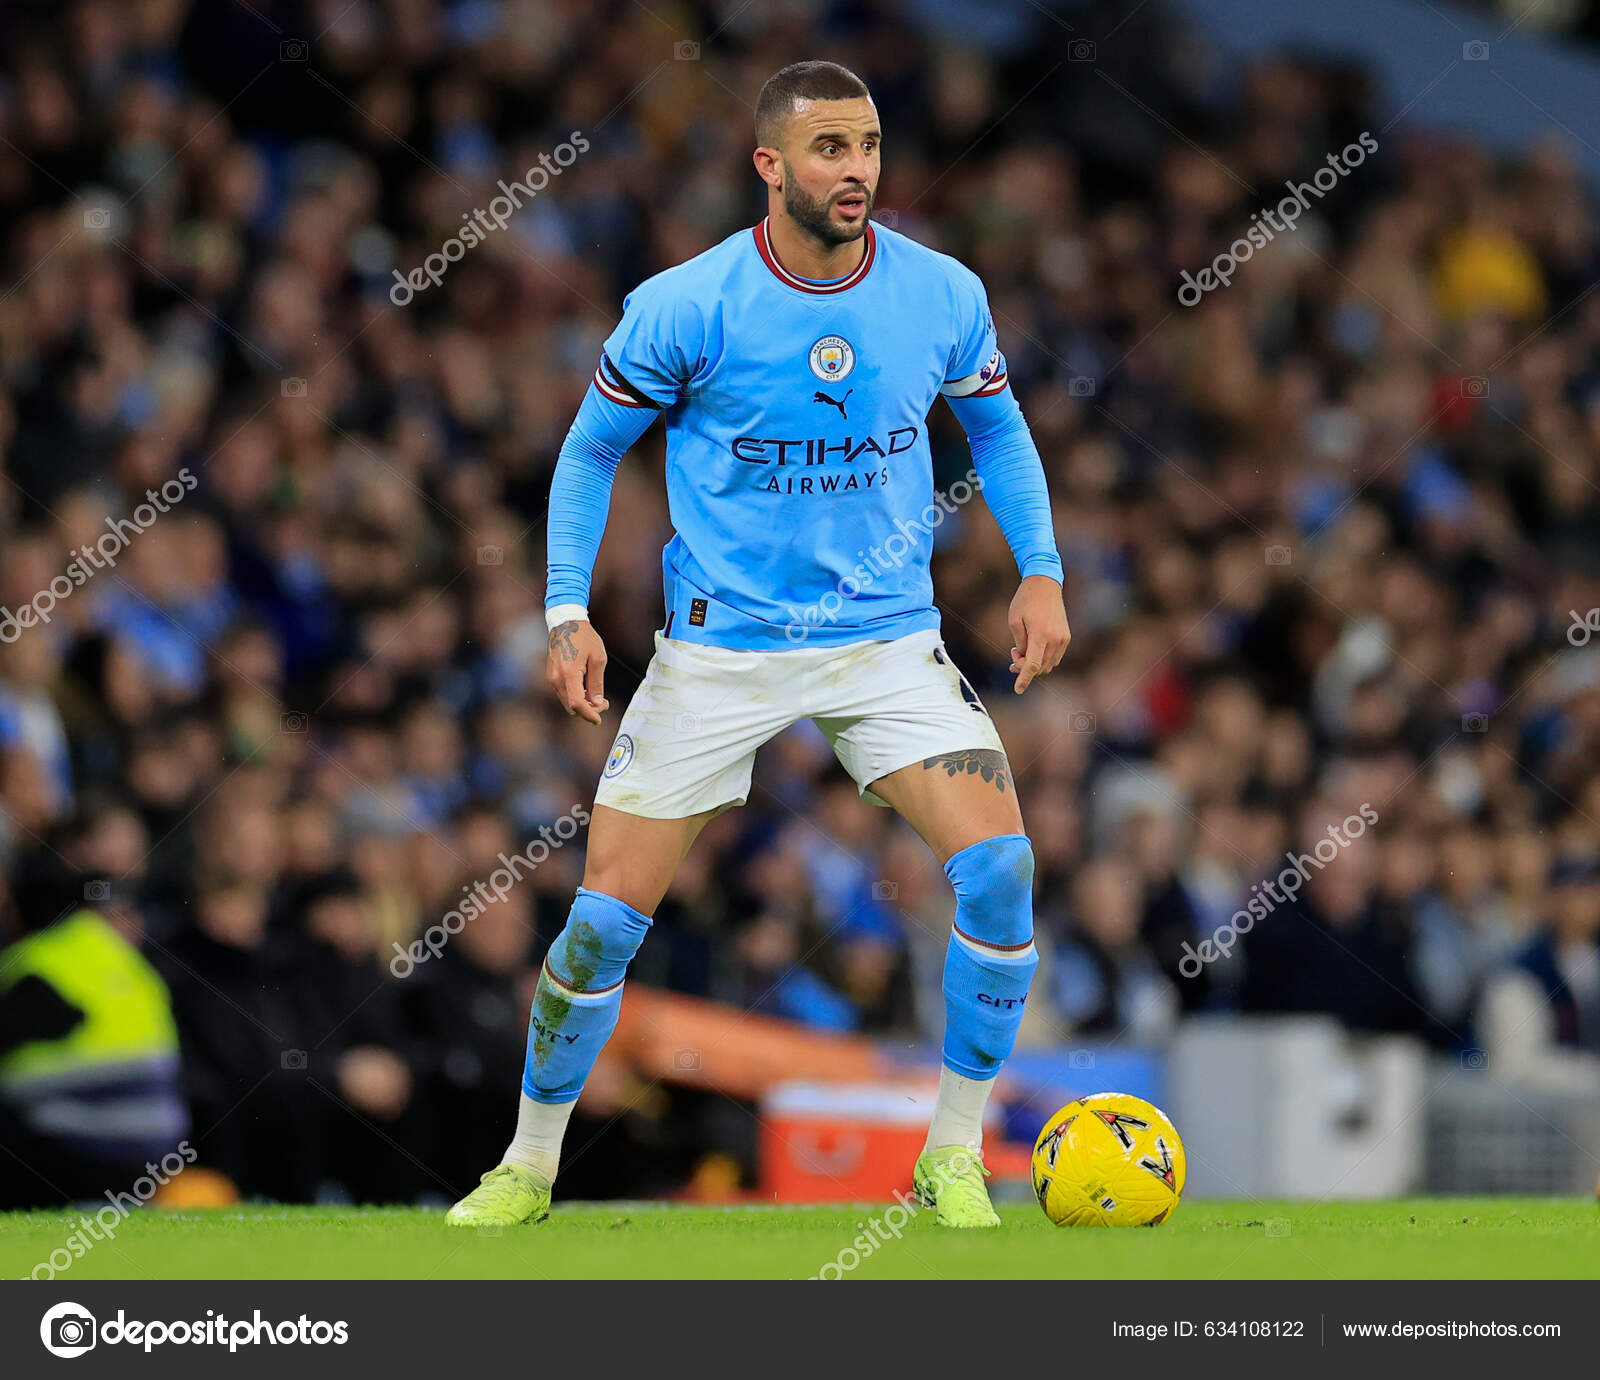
832, 358
621, 756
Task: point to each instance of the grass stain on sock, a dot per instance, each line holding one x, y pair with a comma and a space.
551, 1008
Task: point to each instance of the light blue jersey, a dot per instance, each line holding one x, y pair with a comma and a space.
799, 476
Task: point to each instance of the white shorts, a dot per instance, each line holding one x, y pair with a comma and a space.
689, 738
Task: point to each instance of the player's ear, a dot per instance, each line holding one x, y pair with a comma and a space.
769, 167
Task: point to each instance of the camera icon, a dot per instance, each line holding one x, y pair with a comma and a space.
74, 1330
491, 1231
687, 723
1474, 723
885, 891
1475, 50
293, 1060
294, 50
889, 218
1081, 50
1081, 722
293, 388
686, 52
97, 891
687, 1060
97, 218
1279, 555
1081, 1059
491, 555
1080, 388
68, 1329
1474, 387
294, 722
1277, 1226
1474, 1059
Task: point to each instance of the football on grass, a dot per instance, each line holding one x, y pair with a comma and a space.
1109, 1160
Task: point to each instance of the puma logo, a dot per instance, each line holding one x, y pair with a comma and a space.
834, 402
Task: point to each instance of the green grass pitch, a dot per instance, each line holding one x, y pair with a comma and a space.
1441, 1238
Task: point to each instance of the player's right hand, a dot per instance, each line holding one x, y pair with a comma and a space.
576, 670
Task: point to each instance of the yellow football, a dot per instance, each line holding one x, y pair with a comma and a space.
1109, 1160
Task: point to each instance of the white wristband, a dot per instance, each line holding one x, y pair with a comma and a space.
558, 614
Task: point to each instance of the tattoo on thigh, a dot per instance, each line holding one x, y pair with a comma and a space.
985, 762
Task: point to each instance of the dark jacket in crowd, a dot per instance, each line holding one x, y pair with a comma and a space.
1300, 962
242, 1039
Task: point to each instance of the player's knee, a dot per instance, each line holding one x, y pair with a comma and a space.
993, 881
626, 880
601, 937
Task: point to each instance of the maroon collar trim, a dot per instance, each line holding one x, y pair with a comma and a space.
788, 279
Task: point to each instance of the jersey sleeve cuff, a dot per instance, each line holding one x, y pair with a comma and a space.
1046, 564
557, 614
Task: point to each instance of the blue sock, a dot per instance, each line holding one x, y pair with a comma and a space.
991, 957
579, 997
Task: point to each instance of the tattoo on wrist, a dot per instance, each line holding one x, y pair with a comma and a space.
985, 762
561, 640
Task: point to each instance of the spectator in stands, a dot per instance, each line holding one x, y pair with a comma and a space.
1339, 947
359, 1055
1540, 1019
1102, 975
468, 1010
244, 1051
89, 1073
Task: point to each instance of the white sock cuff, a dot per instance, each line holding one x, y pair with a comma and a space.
994, 953
590, 998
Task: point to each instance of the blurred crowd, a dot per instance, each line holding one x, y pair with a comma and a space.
1330, 538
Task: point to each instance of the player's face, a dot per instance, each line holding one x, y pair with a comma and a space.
831, 167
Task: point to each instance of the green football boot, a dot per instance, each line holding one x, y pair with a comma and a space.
950, 1180
507, 1196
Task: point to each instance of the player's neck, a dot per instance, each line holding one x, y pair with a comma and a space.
804, 255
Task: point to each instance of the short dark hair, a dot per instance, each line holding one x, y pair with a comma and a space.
802, 81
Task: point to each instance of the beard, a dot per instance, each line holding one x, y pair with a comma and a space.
811, 215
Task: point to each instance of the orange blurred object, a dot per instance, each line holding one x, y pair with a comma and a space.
709, 1045
855, 1143
196, 1188
715, 1180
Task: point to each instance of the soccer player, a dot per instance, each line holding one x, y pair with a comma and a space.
795, 365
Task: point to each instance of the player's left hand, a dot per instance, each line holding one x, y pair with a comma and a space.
1038, 619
